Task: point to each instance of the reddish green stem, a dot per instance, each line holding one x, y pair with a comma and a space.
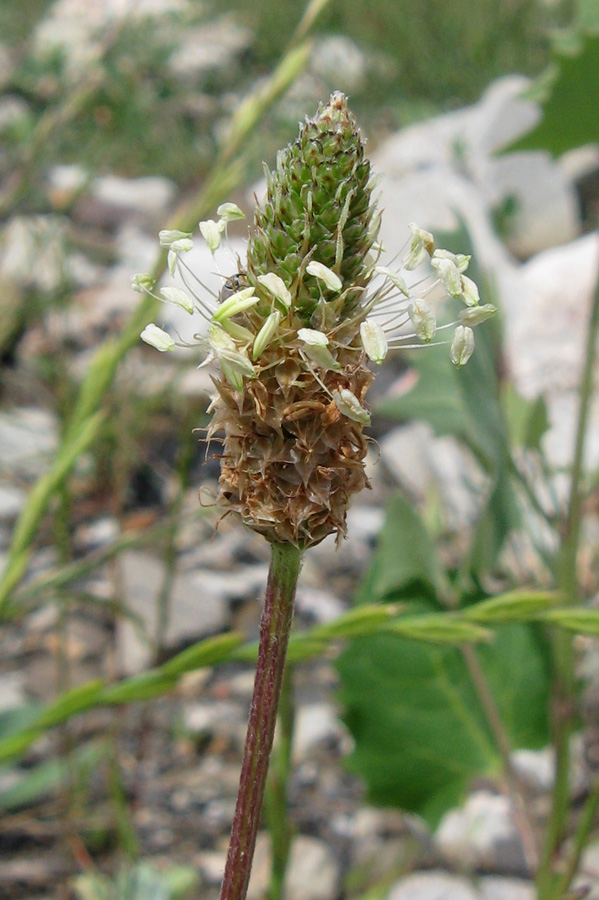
274, 636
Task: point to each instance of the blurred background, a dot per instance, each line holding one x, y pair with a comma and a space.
115, 117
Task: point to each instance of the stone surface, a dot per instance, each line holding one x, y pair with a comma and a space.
455, 154
315, 723
482, 835
338, 60
535, 767
317, 605
11, 501
211, 46
150, 196
545, 330
198, 608
418, 460
433, 886
28, 441
494, 887
12, 691
313, 872
33, 253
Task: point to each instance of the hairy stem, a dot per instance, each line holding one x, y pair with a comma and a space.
274, 636
564, 690
276, 806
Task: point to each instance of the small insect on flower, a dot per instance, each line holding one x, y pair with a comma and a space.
233, 283
293, 332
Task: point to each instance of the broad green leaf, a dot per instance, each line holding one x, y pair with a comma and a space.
419, 729
587, 15
570, 113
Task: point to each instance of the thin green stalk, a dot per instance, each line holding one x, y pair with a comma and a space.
564, 690
274, 637
276, 803
583, 831
514, 788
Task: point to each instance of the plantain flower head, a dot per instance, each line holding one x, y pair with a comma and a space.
293, 332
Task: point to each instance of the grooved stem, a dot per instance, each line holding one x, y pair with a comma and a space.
274, 636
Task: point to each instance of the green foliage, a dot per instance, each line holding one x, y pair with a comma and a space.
420, 728
143, 881
420, 731
570, 112
435, 51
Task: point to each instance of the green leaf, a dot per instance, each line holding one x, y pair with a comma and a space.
527, 420
570, 114
420, 732
141, 687
43, 779
515, 606
74, 701
405, 560
443, 628
205, 653
582, 621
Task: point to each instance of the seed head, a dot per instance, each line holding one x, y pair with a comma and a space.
295, 330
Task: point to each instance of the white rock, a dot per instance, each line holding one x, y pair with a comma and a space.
535, 767
418, 460
197, 609
214, 717
33, 252
313, 872
481, 835
364, 522
12, 109
320, 605
546, 211
315, 723
65, 181
150, 195
494, 887
75, 26
589, 871
445, 169
28, 441
339, 61
12, 500
545, 329
212, 865
210, 46
12, 691
433, 886
261, 868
